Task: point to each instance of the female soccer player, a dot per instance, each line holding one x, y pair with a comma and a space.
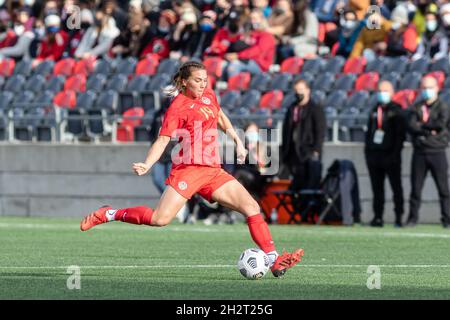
193, 117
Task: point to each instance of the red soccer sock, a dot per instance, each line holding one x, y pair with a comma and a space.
260, 233
135, 215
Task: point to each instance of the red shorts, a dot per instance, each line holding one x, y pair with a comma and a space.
191, 179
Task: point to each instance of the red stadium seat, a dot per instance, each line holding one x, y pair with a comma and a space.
65, 99
292, 65
367, 81
131, 119
7, 67
64, 67
405, 98
271, 100
211, 83
239, 82
148, 65
76, 83
439, 76
214, 66
355, 65
84, 66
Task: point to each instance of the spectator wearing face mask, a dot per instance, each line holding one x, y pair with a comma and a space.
156, 39
262, 5
419, 18
55, 41
98, 38
260, 53
346, 34
75, 35
24, 35
225, 37
434, 42
204, 36
445, 18
402, 39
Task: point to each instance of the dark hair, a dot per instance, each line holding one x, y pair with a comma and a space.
300, 80
183, 73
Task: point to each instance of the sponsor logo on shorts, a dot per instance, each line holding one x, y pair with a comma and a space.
206, 100
182, 185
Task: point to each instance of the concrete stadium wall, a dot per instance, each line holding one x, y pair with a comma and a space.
71, 180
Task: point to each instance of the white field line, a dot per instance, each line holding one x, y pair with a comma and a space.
199, 266
205, 229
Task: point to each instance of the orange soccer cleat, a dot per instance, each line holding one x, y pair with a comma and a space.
95, 218
285, 261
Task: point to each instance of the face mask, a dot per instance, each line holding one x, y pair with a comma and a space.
85, 25
29, 3
252, 136
256, 26
206, 27
446, 19
208, 1
432, 25
233, 26
383, 97
300, 97
52, 11
163, 30
428, 94
19, 29
52, 29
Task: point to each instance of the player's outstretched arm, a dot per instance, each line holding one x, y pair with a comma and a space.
153, 155
225, 125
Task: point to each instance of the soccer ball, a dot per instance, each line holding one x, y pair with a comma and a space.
253, 263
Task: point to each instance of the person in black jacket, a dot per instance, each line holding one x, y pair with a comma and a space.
428, 126
386, 131
303, 136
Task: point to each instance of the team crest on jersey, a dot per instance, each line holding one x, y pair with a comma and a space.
182, 185
206, 100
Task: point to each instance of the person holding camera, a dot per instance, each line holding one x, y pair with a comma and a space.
304, 130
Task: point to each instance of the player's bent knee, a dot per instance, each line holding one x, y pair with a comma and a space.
160, 222
251, 208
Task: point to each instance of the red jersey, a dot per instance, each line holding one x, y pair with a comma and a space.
194, 122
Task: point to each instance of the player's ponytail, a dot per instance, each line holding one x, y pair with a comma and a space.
183, 73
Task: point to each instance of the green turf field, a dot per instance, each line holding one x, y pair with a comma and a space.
122, 261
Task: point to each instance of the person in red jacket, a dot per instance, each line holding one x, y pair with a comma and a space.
260, 51
223, 38
55, 40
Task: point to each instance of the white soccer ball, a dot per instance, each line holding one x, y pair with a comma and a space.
253, 263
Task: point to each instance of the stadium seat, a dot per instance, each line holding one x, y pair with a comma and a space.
117, 83
288, 100
241, 81
35, 83
420, 65
168, 66
158, 82
441, 65
358, 100
292, 65
76, 83
85, 100
7, 67
65, 99
392, 77
250, 99
260, 82
138, 83
103, 66
378, 65
355, 65
150, 101
349, 116
96, 82
357, 133
126, 66
313, 66
97, 123
405, 98
230, 100
410, 81
281, 81
308, 77
445, 96
76, 122
334, 65
35, 116
107, 100
318, 97
345, 82
367, 81
447, 83
142, 133
6, 99
23, 99
44, 68
45, 133
271, 100
64, 67
55, 84
15, 83
439, 76
131, 118
148, 65
23, 133
214, 66
2, 81
397, 64
44, 99
336, 99
324, 82
23, 67
84, 66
